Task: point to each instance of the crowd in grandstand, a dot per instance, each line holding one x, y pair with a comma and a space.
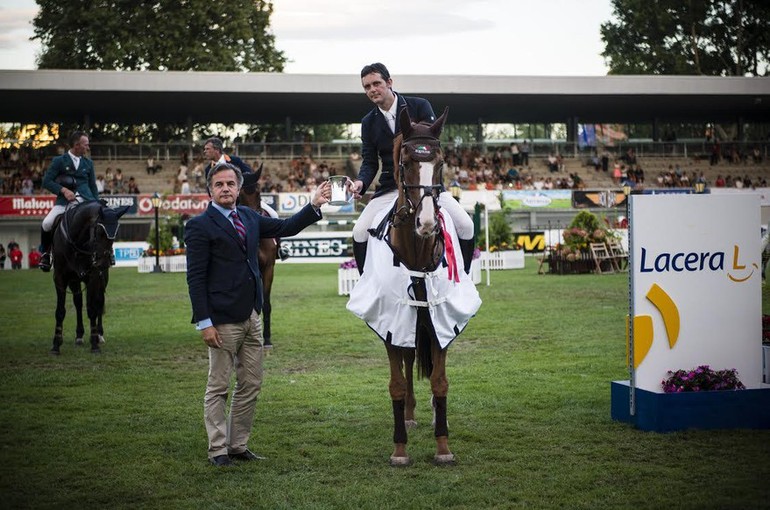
508, 167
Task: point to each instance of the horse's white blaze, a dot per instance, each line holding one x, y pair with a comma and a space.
426, 220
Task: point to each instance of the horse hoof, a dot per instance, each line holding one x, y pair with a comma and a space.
444, 459
400, 461
78, 342
54, 352
410, 424
96, 351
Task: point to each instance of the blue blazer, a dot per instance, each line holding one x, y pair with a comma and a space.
223, 279
377, 141
84, 177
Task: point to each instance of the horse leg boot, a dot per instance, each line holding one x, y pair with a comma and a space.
46, 238
440, 387
399, 457
466, 248
359, 252
397, 390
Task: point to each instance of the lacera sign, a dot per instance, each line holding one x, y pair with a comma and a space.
692, 262
696, 283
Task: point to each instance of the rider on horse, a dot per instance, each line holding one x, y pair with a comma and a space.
71, 178
378, 128
213, 150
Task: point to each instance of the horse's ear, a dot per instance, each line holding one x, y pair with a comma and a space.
438, 126
258, 173
120, 211
405, 122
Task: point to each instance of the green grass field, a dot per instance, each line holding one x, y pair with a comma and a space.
529, 408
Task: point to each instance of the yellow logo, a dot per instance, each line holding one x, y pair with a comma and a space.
740, 267
643, 333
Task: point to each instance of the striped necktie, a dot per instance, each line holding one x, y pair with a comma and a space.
238, 224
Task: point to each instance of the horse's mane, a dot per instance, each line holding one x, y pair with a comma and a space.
397, 141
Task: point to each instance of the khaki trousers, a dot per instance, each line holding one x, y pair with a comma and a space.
241, 350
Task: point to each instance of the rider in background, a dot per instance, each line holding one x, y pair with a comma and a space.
378, 128
72, 179
214, 152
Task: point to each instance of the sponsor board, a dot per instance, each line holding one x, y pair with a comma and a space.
537, 199
127, 254
695, 285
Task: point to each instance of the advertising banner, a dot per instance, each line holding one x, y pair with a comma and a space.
695, 285
598, 199
321, 246
17, 205
127, 254
538, 199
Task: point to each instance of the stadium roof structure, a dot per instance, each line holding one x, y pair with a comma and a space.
261, 98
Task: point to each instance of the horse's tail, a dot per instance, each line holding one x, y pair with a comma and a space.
424, 338
425, 334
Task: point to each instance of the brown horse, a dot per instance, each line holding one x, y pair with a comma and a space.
250, 196
403, 296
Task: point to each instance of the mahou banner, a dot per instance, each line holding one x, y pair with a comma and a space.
26, 205
39, 205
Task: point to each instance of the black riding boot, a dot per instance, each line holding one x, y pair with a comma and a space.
359, 252
466, 248
45, 246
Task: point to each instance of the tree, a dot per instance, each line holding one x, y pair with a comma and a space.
164, 35
694, 37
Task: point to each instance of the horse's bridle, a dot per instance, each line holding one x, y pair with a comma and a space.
422, 149
91, 250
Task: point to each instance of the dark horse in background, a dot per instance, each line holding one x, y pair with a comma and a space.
251, 197
415, 237
82, 254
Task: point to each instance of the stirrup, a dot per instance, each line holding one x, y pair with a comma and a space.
283, 253
45, 262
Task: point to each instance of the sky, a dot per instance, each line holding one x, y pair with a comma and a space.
454, 37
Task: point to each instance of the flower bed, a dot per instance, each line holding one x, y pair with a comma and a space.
667, 412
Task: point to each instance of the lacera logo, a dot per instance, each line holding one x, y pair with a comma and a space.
643, 333
696, 261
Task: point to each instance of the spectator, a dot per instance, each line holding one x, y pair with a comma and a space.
16, 255
118, 182
152, 168
100, 184
34, 258
525, 153
133, 189
185, 188
27, 187
2, 257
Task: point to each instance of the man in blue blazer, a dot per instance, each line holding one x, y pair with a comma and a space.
225, 288
378, 128
71, 178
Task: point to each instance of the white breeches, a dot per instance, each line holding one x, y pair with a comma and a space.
269, 210
463, 222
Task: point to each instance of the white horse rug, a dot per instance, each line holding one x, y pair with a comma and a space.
382, 299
